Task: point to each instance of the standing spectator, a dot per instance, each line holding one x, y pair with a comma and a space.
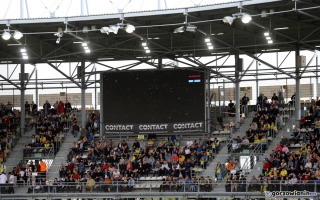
11, 182
46, 107
27, 108
231, 109
274, 99
219, 172
43, 167
34, 107
3, 180
90, 184
55, 107
67, 106
281, 96
293, 99
60, 108
244, 101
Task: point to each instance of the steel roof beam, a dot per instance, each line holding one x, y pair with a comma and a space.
9, 81
62, 73
315, 54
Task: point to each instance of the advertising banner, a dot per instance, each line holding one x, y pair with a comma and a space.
179, 127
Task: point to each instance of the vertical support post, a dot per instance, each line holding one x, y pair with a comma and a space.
95, 87
37, 95
207, 103
21, 8
22, 99
82, 7
297, 105
101, 106
257, 80
316, 84
13, 98
224, 97
310, 96
237, 86
219, 94
83, 94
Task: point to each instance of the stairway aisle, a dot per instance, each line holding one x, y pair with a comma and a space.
257, 169
61, 157
16, 154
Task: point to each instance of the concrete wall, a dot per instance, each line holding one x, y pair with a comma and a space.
73, 98
269, 90
230, 92
15, 100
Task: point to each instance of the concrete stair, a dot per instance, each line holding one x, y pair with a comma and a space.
61, 156
16, 153
257, 169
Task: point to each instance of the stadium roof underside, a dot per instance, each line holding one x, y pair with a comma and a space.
292, 25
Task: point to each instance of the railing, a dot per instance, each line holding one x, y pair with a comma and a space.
249, 162
310, 188
248, 148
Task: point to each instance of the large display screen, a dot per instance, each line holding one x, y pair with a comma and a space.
154, 101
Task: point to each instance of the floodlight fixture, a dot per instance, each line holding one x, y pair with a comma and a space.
228, 20
210, 47
84, 44
85, 29
207, 40
23, 50
179, 29
270, 41
144, 44
191, 28
87, 51
6, 35
25, 57
146, 48
268, 38
112, 29
58, 40
130, 28
246, 18
148, 51
266, 34
17, 35
264, 13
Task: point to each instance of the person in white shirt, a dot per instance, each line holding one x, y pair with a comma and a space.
116, 174
189, 143
11, 181
3, 180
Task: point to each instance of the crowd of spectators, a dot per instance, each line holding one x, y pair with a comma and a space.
8, 127
48, 127
108, 164
294, 164
264, 127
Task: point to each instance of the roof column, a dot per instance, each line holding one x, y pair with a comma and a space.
297, 104
83, 94
22, 99
237, 86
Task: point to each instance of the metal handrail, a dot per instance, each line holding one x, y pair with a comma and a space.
179, 186
247, 163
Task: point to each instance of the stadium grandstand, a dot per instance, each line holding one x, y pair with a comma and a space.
159, 99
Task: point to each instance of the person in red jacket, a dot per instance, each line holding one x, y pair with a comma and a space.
60, 109
266, 166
